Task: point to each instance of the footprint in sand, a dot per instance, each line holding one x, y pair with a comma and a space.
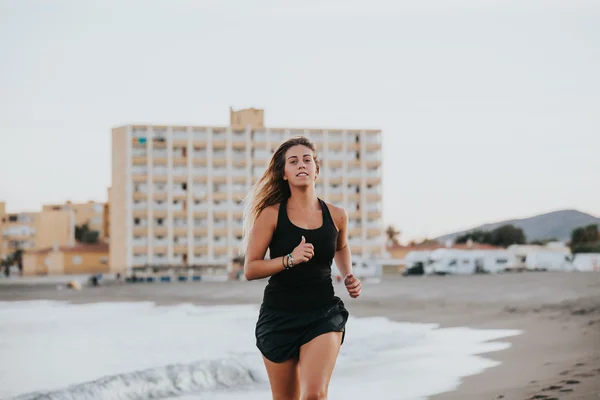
584, 375
571, 382
565, 390
553, 387
565, 372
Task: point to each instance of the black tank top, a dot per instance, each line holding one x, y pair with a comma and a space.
306, 285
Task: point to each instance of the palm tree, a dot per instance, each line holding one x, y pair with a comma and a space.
392, 235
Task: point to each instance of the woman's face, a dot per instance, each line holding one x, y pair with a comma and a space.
300, 167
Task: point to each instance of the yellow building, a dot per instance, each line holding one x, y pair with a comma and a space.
91, 213
176, 190
79, 259
35, 230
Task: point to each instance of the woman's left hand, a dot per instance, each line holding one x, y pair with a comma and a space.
353, 285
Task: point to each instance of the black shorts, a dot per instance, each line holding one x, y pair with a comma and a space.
279, 334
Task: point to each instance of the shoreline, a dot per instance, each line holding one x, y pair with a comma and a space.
558, 315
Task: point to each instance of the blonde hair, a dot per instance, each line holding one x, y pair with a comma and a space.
271, 188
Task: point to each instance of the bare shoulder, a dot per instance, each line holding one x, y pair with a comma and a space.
268, 215
338, 214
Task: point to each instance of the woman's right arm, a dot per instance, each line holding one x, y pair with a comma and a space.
255, 266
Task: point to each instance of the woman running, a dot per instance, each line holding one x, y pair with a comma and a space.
301, 324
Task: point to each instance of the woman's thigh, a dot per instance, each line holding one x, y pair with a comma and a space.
317, 360
283, 378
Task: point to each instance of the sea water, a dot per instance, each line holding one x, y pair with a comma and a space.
57, 350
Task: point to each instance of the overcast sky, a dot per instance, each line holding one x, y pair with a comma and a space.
489, 109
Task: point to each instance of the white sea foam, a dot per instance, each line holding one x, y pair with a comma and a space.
54, 350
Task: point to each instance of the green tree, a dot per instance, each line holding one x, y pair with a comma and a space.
543, 242
506, 235
83, 234
585, 239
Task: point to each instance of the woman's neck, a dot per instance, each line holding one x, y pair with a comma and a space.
304, 200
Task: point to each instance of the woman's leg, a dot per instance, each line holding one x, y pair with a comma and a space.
283, 378
317, 359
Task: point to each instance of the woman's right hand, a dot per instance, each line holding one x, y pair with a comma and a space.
303, 252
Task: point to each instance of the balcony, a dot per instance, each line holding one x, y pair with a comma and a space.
200, 156
200, 173
373, 224
160, 242
219, 139
158, 154
354, 241
179, 154
179, 223
200, 259
200, 206
200, 135
180, 240
140, 230
139, 170
353, 213
180, 137
200, 192
139, 260
139, 242
372, 158
139, 132
160, 259
354, 175
239, 139
373, 194
374, 179
219, 172
200, 241
259, 136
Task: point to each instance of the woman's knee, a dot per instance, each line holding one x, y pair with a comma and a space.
313, 393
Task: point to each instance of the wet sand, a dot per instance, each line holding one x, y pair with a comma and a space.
556, 357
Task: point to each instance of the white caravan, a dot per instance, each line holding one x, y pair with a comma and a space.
416, 261
450, 261
518, 253
453, 261
364, 269
587, 262
494, 261
548, 261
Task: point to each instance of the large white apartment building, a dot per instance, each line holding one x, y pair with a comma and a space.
176, 195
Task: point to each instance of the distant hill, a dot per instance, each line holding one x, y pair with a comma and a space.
557, 224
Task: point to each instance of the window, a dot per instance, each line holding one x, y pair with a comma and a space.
12, 218
160, 221
136, 221
184, 186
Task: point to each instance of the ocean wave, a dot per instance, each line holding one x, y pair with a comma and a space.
171, 380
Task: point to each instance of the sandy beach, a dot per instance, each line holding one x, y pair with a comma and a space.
556, 357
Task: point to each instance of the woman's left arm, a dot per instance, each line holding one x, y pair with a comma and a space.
342, 254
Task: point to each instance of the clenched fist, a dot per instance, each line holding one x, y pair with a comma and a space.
303, 252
